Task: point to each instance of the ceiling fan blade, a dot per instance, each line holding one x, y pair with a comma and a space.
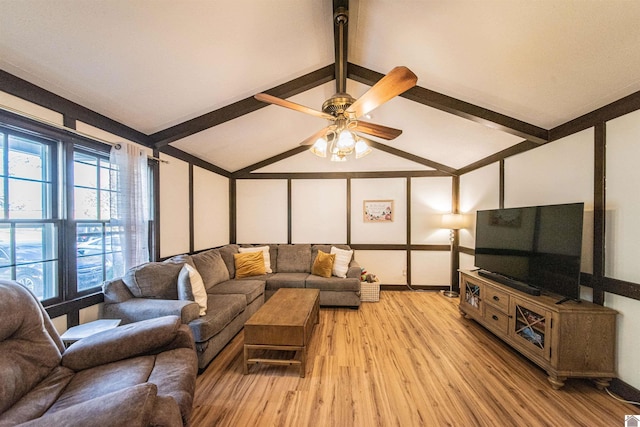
313, 138
399, 80
270, 99
380, 131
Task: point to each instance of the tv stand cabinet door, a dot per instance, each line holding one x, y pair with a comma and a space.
530, 328
471, 297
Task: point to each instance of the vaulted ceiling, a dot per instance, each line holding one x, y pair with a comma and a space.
491, 73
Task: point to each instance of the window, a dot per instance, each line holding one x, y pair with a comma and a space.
58, 240
28, 218
98, 250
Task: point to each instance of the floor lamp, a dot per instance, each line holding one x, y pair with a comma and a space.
453, 222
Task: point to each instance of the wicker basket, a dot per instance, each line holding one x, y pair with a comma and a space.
370, 292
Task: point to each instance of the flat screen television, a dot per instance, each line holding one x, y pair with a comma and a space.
533, 248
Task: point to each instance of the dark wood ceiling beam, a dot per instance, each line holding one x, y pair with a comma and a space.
340, 38
240, 108
247, 170
626, 105
32, 93
500, 155
343, 175
412, 157
196, 161
455, 106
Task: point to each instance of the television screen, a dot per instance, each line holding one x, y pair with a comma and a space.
537, 245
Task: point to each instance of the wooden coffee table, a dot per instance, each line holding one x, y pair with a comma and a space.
282, 325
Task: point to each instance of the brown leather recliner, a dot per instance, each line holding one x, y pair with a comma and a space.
134, 375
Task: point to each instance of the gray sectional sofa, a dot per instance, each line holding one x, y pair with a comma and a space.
153, 290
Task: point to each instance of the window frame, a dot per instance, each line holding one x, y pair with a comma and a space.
52, 206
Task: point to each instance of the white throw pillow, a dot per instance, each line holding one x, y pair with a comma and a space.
194, 290
342, 261
265, 255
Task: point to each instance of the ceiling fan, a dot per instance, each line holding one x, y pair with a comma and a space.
341, 137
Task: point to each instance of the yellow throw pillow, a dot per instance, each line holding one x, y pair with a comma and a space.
249, 264
323, 265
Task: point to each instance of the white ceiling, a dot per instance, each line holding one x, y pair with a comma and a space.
152, 64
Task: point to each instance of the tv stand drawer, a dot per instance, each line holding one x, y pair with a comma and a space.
497, 298
496, 320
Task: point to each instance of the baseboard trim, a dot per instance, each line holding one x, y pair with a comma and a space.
625, 391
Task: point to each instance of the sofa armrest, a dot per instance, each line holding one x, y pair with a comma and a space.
124, 342
354, 271
132, 406
137, 309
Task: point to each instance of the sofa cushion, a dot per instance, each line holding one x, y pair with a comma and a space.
211, 267
265, 254
249, 264
286, 280
323, 264
294, 258
332, 283
39, 399
153, 280
191, 287
104, 379
134, 406
222, 309
227, 252
342, 261
250, 288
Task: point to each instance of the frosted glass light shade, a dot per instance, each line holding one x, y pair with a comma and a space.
319, 148
346, 141
362, 149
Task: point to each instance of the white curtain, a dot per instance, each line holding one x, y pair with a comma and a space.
130, 212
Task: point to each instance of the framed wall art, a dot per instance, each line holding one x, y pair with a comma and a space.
378, 210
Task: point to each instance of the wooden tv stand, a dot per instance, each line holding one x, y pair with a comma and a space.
566, 340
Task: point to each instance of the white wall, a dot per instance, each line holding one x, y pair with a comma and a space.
319, 211
210, 209
622, 231
623, 202
261, 211
389, 266
479, 189
174, 206
430, 198
379, 232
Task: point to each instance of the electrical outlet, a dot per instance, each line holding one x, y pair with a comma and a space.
404, 271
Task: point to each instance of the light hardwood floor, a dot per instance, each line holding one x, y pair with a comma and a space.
409, 360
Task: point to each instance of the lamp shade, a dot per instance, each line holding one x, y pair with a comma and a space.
453, 221
319, 148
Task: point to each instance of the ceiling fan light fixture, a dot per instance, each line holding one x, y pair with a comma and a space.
319, 148
346, 141
362, 149
338, 157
